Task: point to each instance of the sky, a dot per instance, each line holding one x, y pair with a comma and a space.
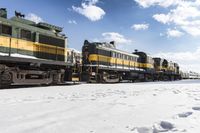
165, 28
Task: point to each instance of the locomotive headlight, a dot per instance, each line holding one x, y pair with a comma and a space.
93, 73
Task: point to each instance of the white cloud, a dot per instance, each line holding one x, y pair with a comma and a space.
162, 18
92, 2
188, 60
33, 17
193, 30
72, 22
140, 26
174, 33
163, 3
118, 38
90, 10
185, 15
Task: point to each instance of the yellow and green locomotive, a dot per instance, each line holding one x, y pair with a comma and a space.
31, 53
103, 62
166, 70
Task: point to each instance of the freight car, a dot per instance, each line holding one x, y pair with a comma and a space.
102, 62
31, 53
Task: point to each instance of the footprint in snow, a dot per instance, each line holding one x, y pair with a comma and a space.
196, 108
50, 98
93, 99
163, 126
197, 99
185, 114
142, 130
176, 92
166, 125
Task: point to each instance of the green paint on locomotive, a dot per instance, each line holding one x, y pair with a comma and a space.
49, 36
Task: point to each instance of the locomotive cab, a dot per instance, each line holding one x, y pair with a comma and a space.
146, 62
30, 53
103, 62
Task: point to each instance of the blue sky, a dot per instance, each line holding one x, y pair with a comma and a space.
168, 28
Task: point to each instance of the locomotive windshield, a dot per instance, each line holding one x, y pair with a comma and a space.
5, 29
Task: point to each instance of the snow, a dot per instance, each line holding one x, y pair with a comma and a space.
18, 55
102, 108
23, 56
3, 54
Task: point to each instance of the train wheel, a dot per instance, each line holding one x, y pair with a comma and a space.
111, 78
5, 80
99, 78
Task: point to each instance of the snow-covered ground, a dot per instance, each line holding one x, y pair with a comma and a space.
102, 108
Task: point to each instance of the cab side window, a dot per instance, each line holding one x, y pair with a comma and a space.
113, 54
26, 34
7, 30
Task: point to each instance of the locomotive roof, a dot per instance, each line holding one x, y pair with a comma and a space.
115, 50
143, 53
32, 26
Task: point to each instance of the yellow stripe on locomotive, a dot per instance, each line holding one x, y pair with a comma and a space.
117, 61
24, 37
30, 47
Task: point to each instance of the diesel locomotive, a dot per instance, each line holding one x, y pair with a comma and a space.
32, 53
103, 62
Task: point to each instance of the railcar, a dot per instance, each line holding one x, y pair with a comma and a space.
146, 63
31, 53
190, 75
73, 72
102, 62
166, 70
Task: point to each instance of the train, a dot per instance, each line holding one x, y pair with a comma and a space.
189, 75
37, 54
103, 62
33, 53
